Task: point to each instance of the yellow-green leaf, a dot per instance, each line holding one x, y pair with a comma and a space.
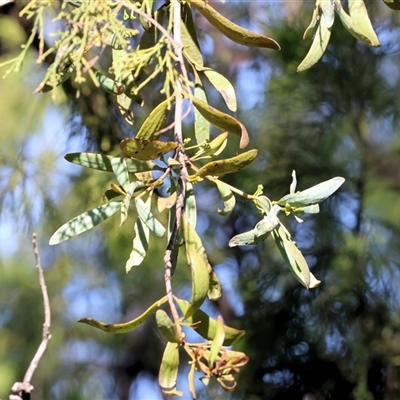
84, 222
154, 122
143, 149
232, 31
166, 326
228, 197
223, 86
191, 47
226, 166
126, 326
223, 121
359, 14
168, 374
214, 290
217, 342
318, 46
200, 281
201, 124
206, 326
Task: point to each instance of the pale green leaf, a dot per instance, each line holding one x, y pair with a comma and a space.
148, 218
84, 222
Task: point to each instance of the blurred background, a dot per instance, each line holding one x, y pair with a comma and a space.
341, 118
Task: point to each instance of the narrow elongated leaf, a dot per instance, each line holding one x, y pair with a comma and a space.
213, 148
126, 326
223, 86
166, 326
226, 166
192, 240
315, 17
232, 31
200, 281
154, 122
206, 326
168, 374
140, 245
127, 201
349, 24
143, 149
359, 14
102, 162
148, 218
328, 9
227, 197
318, 46
293, 257
190, 205
263, 204
125, 108
191, 47
121, 171
314, 194
218, 341
84, 222
201, 124
223, 121
215, 289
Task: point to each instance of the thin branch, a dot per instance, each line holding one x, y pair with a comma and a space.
25, 388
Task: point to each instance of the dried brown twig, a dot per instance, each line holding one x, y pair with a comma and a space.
24, 388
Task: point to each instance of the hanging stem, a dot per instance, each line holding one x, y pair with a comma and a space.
181, 156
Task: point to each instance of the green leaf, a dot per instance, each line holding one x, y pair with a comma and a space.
84, 222
350, 25
293, 257
191, 47
127, 201
227, 197
126, 326
200, 271
140, 245
217, 342
143, 149
263, 204
148, 218
190, 205
120, 171
226, 166
223, 86
359, 14
222, 121
124, 106
232, 31
166, 326
102, 162
169, 367
91, 160
318, 46
314, 195
206, 326
201, 124
154, 122
215, 289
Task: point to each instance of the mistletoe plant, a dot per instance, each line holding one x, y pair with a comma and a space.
149, 42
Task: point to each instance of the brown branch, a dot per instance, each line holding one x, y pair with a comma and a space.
25, 388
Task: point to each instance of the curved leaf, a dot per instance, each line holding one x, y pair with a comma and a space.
359, 14
201, 124
190, 205
226, 166
84, 222
154, 122
215, 289
143, 149
140, 245
318, 46
232, 31
223, 121
206, 326
314, 194
166, 326
223, 86
169, 367
148, 218
126, 326
227, 197
200, 281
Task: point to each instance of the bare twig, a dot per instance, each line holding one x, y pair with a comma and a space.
25, 388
